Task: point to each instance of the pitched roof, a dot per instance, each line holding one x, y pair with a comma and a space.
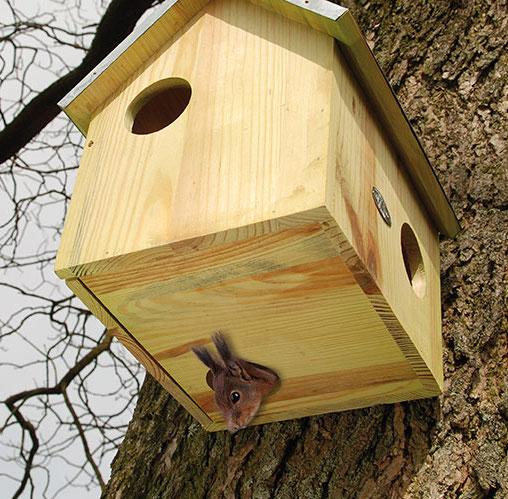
337, 21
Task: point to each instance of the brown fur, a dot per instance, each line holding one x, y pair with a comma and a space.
229, 374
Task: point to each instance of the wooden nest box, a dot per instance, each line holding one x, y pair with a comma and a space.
248, 169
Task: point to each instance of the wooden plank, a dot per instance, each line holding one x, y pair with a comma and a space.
300, 299
118, 67
158, 373
427, 365
252, 256
210, 248
157, 32
340, 386
384, 103
321, 311
91, 302
252, 213
392, 392
306, 316
364, 157
247, 149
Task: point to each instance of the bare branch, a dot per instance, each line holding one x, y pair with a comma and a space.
15, 402
81, 432
117, 22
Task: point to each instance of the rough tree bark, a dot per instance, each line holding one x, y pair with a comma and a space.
447, 61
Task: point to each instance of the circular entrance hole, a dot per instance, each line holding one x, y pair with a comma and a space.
413, 261
158, 105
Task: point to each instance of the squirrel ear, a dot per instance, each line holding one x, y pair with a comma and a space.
259, 373
206, 357
222, 347
209, 379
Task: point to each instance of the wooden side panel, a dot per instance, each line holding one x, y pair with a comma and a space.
382, 390
91, 302
215, 247
249, 147
126, 59
158, 31
384, 104
252, 213
431, 385
361, 158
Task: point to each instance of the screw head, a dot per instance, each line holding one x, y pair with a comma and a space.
381, 206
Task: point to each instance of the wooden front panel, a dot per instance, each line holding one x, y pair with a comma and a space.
250, 146
286, 300
361, 157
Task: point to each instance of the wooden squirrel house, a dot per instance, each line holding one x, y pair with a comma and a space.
248, 169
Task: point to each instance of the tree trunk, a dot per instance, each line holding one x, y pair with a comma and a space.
447, 62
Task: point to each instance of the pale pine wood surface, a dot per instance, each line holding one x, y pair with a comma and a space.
309, 321
248, 148
171, 255
144, 45
160, 375
91, 302
362, 157
392, 392
253, 213
135, 348
312, 322
383, 103
83, 107
320, 15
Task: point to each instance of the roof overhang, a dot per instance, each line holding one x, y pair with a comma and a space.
172, 15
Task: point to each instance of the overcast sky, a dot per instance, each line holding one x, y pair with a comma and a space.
40, 235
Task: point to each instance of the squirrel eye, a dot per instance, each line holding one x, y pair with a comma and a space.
235, 397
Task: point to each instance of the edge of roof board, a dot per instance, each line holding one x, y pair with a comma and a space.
322, 8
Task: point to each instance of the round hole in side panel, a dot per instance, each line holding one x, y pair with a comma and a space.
158, 105
413, 261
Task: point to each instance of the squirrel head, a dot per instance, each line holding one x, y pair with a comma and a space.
239, 385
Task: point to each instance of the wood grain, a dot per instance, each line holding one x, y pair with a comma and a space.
313, 313
148, 42
252, 213
363, 158
305, 319
384, 104
153, 367
248, 148
91, 302
136, 349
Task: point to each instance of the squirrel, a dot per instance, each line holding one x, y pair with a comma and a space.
239, 385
